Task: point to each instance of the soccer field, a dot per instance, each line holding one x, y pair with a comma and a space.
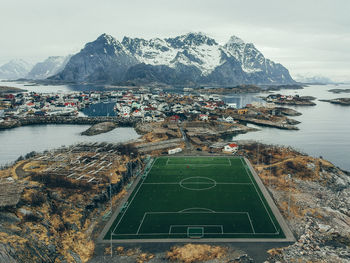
196, 197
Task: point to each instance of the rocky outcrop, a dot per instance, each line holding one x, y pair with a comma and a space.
99, 128
339, 101
313, 196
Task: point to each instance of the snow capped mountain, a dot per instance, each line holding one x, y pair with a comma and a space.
49, 67
15, 69
191, 49
103, 60
189, 58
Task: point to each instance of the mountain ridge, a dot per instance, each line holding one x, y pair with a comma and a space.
14, 69
49, 67
189, 58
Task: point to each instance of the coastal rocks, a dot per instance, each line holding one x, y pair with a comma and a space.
6, 89
99, 128
288, 111
207, 133
8, 124
34, 120
337, 91
229, 90
339, 101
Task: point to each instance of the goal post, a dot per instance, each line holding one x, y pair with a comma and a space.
195, 232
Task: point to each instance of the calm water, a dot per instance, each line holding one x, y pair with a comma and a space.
324, 128
22, 140
52, 88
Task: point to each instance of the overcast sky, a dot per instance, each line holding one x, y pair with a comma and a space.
306, 36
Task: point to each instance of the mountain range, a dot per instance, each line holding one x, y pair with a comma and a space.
193, 58
49, 67
20, 69
15, 69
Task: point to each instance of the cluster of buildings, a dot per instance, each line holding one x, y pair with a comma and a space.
139, 104
156, 107
50, 104
279, 98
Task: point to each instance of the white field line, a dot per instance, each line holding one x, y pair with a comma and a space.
133, 197
143, 218
198, 183
157, 234
199, 212
251, 224
171, 226
187, 209
259, 196
198, 164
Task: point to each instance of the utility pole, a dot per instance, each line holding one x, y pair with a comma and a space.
110, 191
289, 181
111, 245
270, 169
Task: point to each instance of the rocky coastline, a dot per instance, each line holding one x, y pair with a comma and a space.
318, 213
13, 123
339, 101
99, 128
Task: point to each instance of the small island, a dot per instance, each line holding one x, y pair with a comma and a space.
99, 128
229, 90
339, 101
290, 100
338, 91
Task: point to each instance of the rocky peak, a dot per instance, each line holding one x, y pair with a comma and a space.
106, 43
191, 39
234, 41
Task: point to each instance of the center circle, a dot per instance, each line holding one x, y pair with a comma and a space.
197, 183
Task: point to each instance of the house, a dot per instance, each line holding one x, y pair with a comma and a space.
203, 117
147, 118
229, 119
125, 115
175, 118
232, 105
173, 151
232, 147
242, 111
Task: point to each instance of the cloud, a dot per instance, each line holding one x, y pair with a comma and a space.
305, 36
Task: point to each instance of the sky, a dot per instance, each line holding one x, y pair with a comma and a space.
309, 37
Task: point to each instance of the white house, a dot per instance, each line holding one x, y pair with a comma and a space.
232, 105
137, 113
147, 119
126, 109
229, 119
232, 147
173, 151
203, 117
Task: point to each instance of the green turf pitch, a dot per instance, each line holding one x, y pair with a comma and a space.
200, 197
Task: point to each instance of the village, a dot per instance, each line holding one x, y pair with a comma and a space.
137, 105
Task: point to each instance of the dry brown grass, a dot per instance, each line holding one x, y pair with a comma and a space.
190, 253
